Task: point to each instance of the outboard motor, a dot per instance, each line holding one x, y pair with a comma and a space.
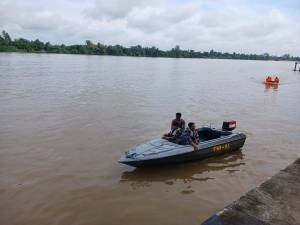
229, 125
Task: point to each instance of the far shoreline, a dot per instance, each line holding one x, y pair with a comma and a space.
152, 57
21, 45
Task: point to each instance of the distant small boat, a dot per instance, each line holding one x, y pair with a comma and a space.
159, 151
270, 81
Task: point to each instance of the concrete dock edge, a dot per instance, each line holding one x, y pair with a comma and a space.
276, 201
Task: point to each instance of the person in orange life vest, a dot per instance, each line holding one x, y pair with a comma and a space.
269, 79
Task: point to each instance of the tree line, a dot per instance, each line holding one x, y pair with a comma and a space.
7, 44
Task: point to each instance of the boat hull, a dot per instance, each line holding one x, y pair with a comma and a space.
205, 151
271, 83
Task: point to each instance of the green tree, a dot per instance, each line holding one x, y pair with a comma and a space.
6, 37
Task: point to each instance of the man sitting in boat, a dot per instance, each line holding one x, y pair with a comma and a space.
190, 136
175, 132
181, 122
276, 80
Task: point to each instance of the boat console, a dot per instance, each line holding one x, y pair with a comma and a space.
207, 133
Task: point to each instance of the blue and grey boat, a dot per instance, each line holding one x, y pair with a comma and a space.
212, 142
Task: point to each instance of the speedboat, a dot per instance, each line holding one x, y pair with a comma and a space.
213, 142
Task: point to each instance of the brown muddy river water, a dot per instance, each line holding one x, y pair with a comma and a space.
65, 120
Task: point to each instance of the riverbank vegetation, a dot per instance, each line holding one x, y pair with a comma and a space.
7, 44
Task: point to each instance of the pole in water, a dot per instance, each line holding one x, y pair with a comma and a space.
295, 68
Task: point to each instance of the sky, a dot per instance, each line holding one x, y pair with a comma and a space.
244, 26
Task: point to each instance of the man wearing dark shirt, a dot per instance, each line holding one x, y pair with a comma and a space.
178, 120
174, 134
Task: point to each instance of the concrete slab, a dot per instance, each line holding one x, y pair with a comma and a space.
276, 202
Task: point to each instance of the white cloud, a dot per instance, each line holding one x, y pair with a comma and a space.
116, 9
154, 19
221, 25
